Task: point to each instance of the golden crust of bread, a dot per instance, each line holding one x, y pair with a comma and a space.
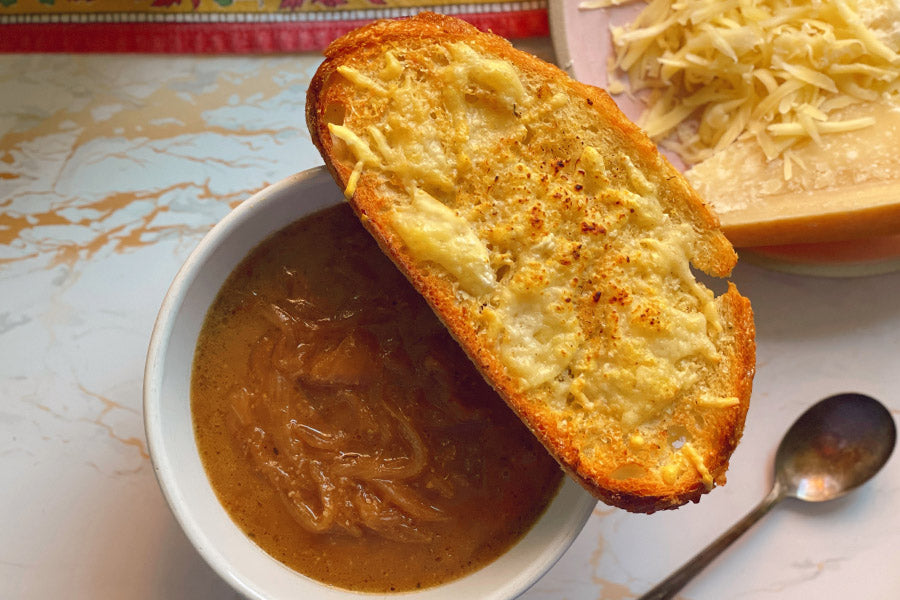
553, 240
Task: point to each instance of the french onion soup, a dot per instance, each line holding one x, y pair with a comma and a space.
344, 430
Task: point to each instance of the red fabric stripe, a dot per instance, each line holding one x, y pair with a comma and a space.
223, 38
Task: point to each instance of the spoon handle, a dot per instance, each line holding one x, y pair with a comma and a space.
674, 582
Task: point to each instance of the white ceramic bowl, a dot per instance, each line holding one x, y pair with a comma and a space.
170, 435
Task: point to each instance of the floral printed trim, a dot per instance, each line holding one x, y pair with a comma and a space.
224, 6
239, 32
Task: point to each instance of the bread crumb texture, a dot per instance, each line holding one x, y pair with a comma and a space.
564, 252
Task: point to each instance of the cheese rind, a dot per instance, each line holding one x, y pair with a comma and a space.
847, 187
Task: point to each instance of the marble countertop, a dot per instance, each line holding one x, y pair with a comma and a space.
112, 168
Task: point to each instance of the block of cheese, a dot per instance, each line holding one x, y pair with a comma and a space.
845, 187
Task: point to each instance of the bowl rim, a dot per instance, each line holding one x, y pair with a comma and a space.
159, 343
581, 503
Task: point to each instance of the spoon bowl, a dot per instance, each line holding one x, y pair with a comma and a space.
834, 447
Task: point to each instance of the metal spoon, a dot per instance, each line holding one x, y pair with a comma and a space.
835, 446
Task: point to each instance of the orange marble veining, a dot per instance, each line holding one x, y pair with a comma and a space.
129, 441
108, 406
167, 115
120, 238
608, 590
12, 226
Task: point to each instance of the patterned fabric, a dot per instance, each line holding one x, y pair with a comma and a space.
231, 26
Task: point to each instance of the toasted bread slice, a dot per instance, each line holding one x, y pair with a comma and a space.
554, 242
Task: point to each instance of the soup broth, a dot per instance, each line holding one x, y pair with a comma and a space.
345, 431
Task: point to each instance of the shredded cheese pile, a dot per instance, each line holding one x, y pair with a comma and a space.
774, 70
